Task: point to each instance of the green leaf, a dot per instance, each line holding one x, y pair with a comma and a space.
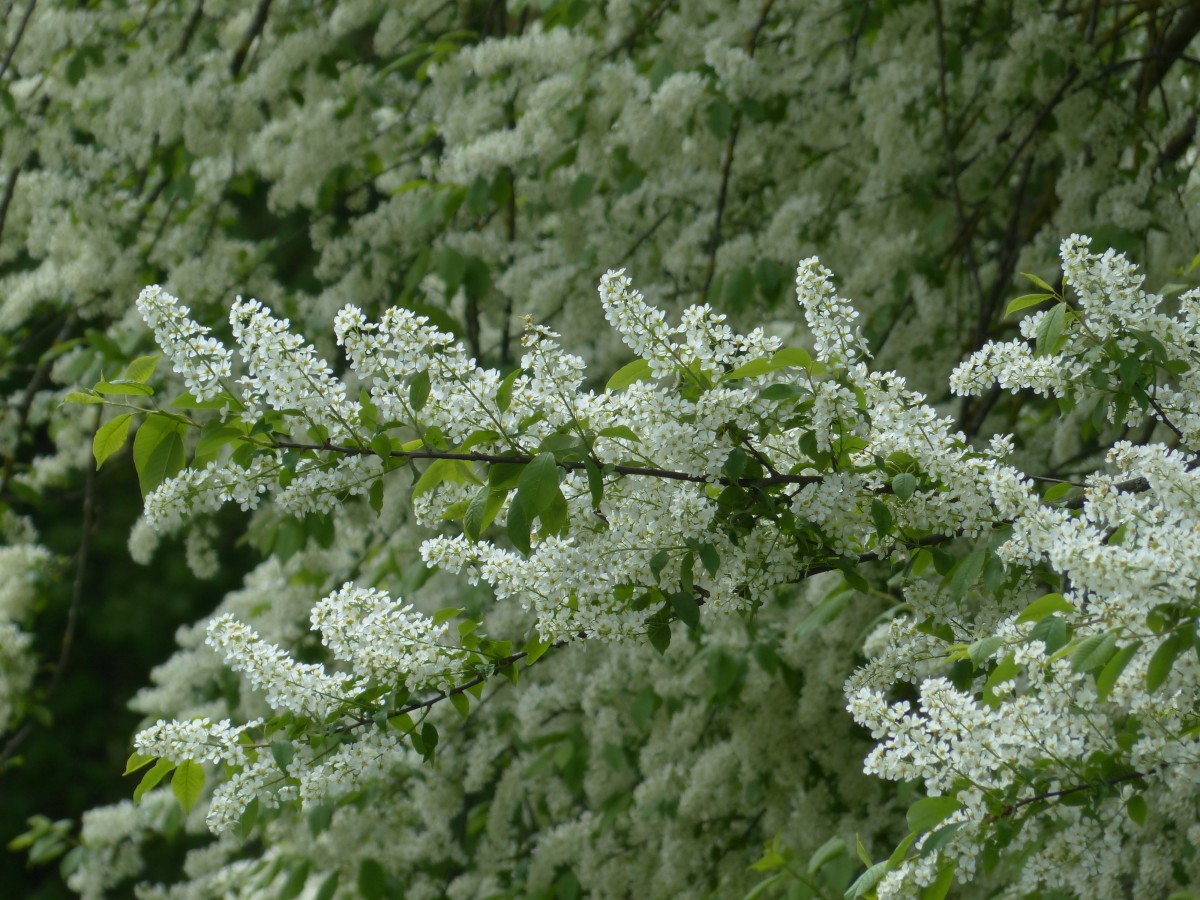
1107, 679
283, 752
123, 388
638, 370
1057, 491
161, 769
1025, 301
372, 880
595, 482
904, 485
618, 431
881, 516
865, 884
720, 118
518, 525
581, 189
1038, 281
375, 495
435, 473
538, 486
137, 761
658, 631
249, 818
418, 390
142, 368
658, 562
329, 886
1163, 660
535, 648
1136, 807
158, 451
1005, 671
80, 397
1050, 330
940, 886
461, 704
981, 650
473, 519
685, 606
826, 853
110, 437
967, 572
826, 611
1094, 651
297, 876
1044, 606
929, 811
187, 783
504, 392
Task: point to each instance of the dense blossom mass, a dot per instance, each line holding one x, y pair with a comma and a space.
723, 584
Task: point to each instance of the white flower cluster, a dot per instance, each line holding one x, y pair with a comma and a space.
202, 360
200, 740
305, 689
383, 639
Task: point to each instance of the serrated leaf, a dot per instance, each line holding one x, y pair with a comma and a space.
1107, 678
375, 496
595, 482
1038, 281
81, 397
418, 390
461, 704
110, 437
658, 632
1044, 606
142, 368
158, 451
187, 783
446, 614
929, 811
1057, 491
1050, 330
535, 649
435, 473
685, 606
618, 431
1006, 670
1094, 651
150, 780
940, 886
904, 485
504, 392
826, 853
518, 525
283, 752
537, 487
137, 761
981, 650
865, 884
123, 387
881, 516
1136, 807
967, 572
638, 370
1163, 660
826, 611
1025, 301
249, 818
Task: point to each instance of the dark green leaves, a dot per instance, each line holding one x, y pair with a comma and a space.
158, 451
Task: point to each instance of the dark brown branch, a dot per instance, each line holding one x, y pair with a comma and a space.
87, 524
10, 187
256, 26
12, 48
569, 465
